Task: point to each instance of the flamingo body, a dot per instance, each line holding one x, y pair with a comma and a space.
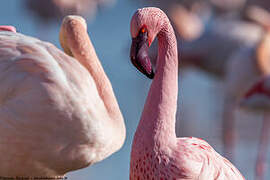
53, 117
40, 100
189, 158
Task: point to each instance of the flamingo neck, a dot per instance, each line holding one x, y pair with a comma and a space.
83, 50
158, 117
262, 53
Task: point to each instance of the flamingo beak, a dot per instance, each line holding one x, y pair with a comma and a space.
139, 55
257, 98
8, 28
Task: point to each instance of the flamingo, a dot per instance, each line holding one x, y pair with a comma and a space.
249, 72
156, 151
50, 9
58, 112
210, 49
257, 99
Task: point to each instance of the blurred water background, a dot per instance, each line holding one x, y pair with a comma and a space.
200, 98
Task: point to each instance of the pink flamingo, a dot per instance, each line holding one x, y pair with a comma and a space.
255, 73
156, 151
57, 113
257, 99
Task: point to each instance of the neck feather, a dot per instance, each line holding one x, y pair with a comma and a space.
158, 117
262, 55
81, 47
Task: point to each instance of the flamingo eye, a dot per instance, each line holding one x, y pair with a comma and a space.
143, 30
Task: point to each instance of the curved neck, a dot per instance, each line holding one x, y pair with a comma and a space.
158, 117
82, 49
263, 55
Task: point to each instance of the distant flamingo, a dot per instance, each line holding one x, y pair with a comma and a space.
53, 9
57, 113
156, 151
258, 99
251, 77
243, 69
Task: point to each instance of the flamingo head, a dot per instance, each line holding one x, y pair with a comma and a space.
68, 25
144, 27
8, 28
258, 96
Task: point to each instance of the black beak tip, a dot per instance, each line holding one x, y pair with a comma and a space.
151, 75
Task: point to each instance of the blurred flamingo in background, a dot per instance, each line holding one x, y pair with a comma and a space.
244, 67
53, 9
156, 151
58, 113
249, 76
257, 99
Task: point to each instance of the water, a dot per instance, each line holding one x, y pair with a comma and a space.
200, 101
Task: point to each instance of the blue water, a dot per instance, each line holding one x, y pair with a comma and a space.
200, 103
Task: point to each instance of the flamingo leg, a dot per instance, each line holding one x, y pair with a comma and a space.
262, 151
229, 132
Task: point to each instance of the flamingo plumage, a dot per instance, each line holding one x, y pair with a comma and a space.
156, 151
57, 113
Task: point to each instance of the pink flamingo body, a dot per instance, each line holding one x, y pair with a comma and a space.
156, 151
57, 113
